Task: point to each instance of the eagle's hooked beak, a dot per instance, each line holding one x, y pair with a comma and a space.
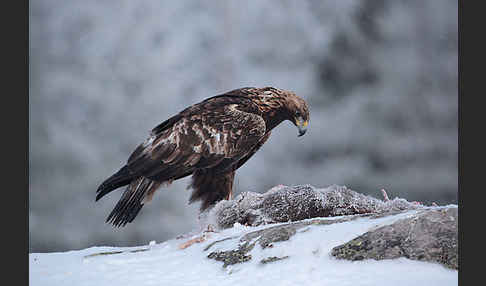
302, 125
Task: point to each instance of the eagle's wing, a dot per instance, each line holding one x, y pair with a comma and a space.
253, 150
214, 133
210, 186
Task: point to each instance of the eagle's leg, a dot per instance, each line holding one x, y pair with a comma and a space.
210, 187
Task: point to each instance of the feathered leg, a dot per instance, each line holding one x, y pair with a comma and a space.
211, 187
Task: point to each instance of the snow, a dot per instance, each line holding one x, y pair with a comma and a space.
309, 262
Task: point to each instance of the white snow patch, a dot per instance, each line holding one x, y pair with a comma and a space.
309, 262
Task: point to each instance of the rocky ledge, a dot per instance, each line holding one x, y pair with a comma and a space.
430, 235
427, 234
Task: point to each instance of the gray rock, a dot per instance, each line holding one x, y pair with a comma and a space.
272, 259
273, 234
233, 256
431, 235
289, 204
265, 238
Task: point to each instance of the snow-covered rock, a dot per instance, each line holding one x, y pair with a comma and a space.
294, 203
300, 251
430, 235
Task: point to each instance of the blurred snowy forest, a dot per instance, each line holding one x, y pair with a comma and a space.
380, 78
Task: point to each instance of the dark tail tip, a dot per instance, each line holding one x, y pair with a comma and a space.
102, 190
119, 179
131, 202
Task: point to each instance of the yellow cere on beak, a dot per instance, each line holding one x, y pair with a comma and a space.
302, 125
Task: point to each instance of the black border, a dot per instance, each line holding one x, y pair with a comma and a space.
15, 147
460, 131
471, 206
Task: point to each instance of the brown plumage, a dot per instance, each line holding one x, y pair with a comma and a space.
209, 140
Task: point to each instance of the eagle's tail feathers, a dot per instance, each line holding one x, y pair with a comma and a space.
119, 179
132, 201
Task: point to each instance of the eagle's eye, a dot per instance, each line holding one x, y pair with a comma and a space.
297, 114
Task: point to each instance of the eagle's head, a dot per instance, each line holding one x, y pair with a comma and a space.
298, 112
289, 106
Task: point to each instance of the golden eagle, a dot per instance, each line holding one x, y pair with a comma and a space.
209, 140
